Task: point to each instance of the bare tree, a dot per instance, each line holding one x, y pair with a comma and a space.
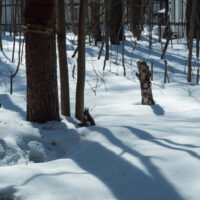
95, 17
191, 37
61, 40
136, 16
72, 11
107, 23
1, 45
81, 60
116, 28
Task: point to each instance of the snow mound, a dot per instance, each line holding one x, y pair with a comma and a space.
33, 142
9, 155
36, 151
3, 149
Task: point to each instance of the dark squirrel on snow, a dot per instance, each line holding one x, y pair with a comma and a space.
87, 119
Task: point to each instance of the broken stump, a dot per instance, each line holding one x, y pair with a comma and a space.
144, 77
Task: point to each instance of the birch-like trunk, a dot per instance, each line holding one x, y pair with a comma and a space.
144, 77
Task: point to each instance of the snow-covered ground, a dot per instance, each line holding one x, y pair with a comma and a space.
134, 152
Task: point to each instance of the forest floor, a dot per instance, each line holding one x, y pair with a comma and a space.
134, 152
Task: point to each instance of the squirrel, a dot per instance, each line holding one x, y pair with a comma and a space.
87, 119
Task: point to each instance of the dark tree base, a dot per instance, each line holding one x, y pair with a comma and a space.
42, 94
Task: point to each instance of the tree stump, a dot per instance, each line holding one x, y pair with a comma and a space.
144, 77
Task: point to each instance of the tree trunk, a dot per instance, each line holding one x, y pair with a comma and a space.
61, 40
136, 19
42, 93
123, 37
166, 10
191, 37
107, 22
116, 29
95, 17
1, 45
81, 60
188, 16
144, 77
197, 43
73, 22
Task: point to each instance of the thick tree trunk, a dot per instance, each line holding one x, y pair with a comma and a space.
42, 93
144, 77
42, 96
61, 40
81, 60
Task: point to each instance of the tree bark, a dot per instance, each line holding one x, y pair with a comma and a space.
95, 17
168, 35
144, 77
166, 10
61, 40
191, 37
136, 17
73, 22
42, 93
188, 16
107, 23
81, 60
116, 29
1, 45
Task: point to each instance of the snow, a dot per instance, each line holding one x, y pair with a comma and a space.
161, 11
134, 152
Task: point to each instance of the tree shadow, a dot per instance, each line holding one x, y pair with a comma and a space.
6, 68
8, 104
8, 193
157, 109
9, 38
177, 144
55, 139
140, 50
124, 179
72, 121
143, 135
53, 174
